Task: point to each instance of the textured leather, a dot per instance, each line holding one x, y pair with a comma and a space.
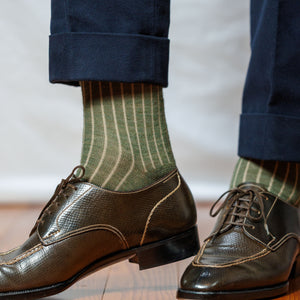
85, 223
259, 253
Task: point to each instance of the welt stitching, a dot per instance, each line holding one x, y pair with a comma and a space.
250, 258
156, 206
24, 255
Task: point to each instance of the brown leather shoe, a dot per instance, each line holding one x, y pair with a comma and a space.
251, 251
84, 228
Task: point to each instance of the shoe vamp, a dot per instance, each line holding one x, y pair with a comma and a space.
47, 265
230, 246
30, 243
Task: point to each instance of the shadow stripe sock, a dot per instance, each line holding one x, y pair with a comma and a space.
278, 177
126, 143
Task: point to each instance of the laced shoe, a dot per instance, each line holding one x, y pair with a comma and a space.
252, 252
84, 228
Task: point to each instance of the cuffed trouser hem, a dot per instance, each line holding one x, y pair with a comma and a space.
75, 57
269, 137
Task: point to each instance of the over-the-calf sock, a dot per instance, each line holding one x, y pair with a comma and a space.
125, 140
279, 178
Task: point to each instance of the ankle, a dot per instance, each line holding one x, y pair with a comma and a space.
279, 178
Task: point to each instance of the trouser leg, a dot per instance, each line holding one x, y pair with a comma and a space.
270, 120
115, 48
109, 40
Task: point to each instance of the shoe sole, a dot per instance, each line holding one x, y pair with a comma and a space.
269, 292
152, 255
255, 294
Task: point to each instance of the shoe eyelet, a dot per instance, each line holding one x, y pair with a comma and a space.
253, 227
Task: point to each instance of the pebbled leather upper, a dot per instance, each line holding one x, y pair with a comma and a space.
84, 223
247, 252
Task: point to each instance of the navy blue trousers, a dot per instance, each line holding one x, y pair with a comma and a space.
127, 41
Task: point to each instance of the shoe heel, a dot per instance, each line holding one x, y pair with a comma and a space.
167, 251
296, 268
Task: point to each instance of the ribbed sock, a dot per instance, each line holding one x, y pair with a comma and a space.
125, 141
279, 178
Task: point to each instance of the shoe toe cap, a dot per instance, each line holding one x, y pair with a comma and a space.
199, 279
213, 279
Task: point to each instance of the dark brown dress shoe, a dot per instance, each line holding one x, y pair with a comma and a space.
84, 228
252, 252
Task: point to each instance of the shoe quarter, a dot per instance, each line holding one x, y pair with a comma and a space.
92, 208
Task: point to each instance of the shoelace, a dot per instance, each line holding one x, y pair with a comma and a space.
60, 191
238, 205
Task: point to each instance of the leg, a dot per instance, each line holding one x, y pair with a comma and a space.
270, 121
128, 200
126, 144
271, 108
255, 243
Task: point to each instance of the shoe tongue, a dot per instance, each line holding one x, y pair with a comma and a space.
252, 186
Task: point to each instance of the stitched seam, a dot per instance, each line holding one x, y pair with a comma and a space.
237, 262
274, 202
75, 200
110, 228
254, 238
51, 234
283, 240
57, 218
239, 259
164, 180
154, 185
248, 257
10, 251
24, 255
156, 206
201, 252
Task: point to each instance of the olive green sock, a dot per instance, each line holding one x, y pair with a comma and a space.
125, 141
279, 178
